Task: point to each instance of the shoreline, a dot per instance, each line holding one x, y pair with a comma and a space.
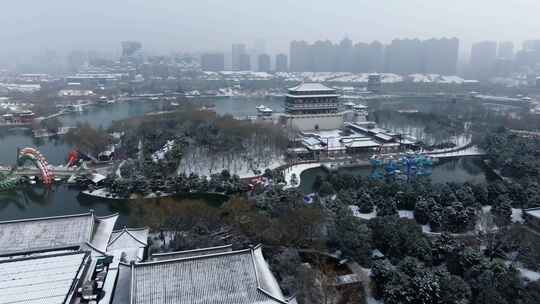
102, 194
299, 169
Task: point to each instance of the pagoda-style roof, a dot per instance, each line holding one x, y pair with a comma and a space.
128, 243
236, 277
49, 279
311, 90
56, 232
190, 253
311, 87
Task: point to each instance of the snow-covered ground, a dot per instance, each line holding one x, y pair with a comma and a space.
159, 244
297, 170
159, 155
365, 216
484, 223
25, 88
485, 218
528, 274
436, 78
514, 81
517, 215
345, 77
206, 164
406, 214
426, 228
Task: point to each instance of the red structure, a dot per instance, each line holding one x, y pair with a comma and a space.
39, 161
73, 157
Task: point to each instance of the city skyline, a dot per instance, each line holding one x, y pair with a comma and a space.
463, 52
401, 56
27, 28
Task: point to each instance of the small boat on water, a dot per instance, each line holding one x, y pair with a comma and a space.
208, 107
349, 104
360, 107
264, 110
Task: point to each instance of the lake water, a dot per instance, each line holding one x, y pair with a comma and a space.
36, 201
461, 170
40, 201
56, 151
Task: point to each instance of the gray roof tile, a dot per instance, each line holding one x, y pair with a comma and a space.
41, 280
237, 277
36, 234
54, 232
190, 253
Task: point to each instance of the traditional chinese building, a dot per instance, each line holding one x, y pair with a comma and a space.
65, 259
313, 106
44, 277
86, 231
209, 275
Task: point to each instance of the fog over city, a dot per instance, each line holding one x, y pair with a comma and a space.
270, 151
28, 27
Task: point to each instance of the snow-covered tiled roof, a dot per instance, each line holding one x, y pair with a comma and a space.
534, 212
54, 232
103, 228
129, 243
236, 277
190, 253
43, 280
129, 236
312, 95
311, 87
41, 233
362, 144
383, 136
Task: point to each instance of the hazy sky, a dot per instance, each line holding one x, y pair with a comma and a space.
195, 25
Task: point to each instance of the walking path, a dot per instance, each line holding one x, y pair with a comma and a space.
364, 274
297, 170
464, 151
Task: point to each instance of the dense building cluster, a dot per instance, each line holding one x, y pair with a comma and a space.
407, 56
489, 59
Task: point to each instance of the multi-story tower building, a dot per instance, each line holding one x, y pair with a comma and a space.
313, 106
440, 56
282, 64
506, 50
245, 63
311, 98
300, 57
263, 62
344, 57
237, 51
483, 55
404, 56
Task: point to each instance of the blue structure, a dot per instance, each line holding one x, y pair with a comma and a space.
375, 166
409, 166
